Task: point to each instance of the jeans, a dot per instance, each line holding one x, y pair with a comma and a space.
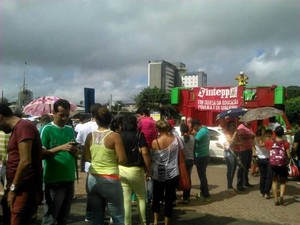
24, 206
231, 167
189, 166
88, 209
3, 175
201, 165
265, 183
242, 173
58, 200
104, 191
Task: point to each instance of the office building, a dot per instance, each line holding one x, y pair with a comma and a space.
164, 75
194, 79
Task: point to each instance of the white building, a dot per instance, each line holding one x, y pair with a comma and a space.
194, 79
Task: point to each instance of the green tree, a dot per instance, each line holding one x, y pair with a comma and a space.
152, 98
293, 92
156, 99
292, 109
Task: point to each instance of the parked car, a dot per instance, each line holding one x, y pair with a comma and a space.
217, 139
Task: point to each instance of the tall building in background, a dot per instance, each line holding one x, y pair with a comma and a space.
24, 96
164, 75
194, 79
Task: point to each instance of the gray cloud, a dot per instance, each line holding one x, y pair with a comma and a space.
106, 45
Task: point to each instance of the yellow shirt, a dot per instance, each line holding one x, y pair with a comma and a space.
3, 146
103, 160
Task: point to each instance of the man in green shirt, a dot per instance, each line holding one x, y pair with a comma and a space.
201, 156
59, 165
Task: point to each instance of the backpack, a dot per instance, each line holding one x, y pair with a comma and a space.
278, 154
134, 157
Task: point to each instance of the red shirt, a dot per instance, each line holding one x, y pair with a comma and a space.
25, 130
148, 126
246, 137
269, 144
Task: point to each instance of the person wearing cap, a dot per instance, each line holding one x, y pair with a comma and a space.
242, 78
201, 157
24, 168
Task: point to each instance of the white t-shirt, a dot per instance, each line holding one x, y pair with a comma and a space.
78, 127
85, 130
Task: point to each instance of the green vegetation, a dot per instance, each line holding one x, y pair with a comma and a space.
292, 104
158, 100
292, 109
293, 92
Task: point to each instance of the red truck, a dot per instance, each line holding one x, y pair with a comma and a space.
205, 103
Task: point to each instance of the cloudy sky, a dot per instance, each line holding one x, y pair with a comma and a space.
106, 45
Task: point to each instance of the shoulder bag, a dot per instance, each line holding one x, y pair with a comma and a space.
184, 181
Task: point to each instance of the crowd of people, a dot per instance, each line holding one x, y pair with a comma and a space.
270, 148
125, 156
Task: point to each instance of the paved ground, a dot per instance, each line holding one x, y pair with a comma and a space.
245, 208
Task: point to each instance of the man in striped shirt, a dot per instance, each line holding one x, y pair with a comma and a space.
3, 155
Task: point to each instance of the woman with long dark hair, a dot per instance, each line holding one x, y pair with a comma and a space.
134, 172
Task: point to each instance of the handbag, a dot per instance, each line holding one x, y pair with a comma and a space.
134, 156
184, 182
293, 170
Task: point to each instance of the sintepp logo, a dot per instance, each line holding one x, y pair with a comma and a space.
218, 92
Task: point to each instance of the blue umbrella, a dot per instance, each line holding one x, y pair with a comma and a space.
235, 113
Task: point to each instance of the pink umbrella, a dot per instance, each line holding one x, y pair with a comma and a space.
43, 105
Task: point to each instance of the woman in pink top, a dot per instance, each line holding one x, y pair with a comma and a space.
245, 137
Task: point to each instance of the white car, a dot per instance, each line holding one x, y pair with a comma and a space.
217, 140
